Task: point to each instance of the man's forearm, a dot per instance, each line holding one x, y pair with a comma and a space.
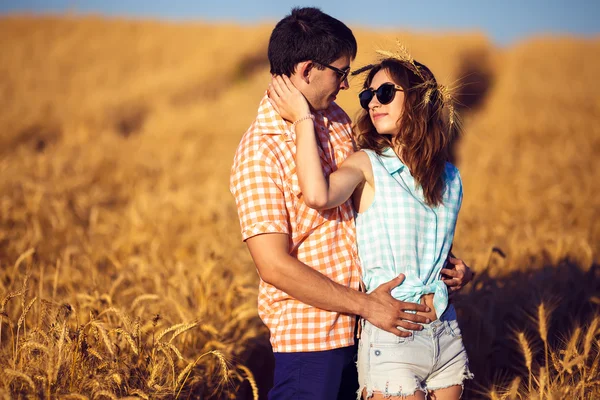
286, 273
313, 288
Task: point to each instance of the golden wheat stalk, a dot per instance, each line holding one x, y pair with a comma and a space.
103, 334
155, 371
74, 396
170, 329
543, 317
55, 283
104, 393
20, 375
571, 350
183, 329
543, 377
557, 363
185, 372
162, 349
20, 323
125, 319
527, 353
116, 378
594, 368
494, 395
587, 346
513, 391
24, 314
183, 376
208, 328
61, 342
8, 297
139, 393
143, 298
401, 53
129, 339
174, 350
94, 353
21, 258
589, 336
250, 378
34, 346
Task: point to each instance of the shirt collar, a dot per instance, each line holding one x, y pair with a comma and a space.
268, 121
391, 162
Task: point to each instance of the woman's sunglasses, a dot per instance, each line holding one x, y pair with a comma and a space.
385, 94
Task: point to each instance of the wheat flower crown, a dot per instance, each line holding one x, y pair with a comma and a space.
403, 55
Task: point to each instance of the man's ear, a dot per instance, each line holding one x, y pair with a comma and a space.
304, 70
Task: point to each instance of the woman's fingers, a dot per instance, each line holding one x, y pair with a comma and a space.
281, 84
276, 86
288, 83
290, 101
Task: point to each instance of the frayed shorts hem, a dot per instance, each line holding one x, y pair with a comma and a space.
466, 375
371, 391
386, 393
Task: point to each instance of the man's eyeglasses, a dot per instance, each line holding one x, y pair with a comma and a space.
342, 73
385, 94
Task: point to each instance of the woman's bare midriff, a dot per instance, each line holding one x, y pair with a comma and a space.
427, 299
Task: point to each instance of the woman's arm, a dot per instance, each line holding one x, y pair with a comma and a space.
318, 193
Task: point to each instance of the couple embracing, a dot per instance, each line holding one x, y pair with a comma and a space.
351, 231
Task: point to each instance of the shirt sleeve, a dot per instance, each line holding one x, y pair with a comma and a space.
257, 187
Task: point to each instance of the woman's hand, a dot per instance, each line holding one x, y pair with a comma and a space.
288, 101
458, 276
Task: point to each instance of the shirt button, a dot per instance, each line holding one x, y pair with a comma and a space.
377, 352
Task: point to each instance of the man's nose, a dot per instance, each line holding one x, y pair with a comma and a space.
344, 85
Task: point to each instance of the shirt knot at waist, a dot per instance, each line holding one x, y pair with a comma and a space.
412, 289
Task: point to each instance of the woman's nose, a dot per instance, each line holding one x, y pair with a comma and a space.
374, 102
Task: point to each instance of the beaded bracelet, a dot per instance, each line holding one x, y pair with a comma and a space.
309, 116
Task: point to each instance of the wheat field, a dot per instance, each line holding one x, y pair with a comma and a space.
122, 271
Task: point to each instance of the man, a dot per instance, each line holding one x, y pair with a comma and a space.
307, 260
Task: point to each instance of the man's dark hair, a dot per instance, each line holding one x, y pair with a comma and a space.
308, 34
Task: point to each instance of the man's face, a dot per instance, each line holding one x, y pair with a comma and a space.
326, 83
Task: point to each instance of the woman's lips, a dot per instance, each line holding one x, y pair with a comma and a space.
379, 115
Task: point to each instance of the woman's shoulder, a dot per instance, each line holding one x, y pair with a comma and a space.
360, 160
452, 173
360, 157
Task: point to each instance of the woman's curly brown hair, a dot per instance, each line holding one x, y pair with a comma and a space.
426, 137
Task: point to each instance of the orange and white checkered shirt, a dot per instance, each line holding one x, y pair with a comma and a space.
265, 186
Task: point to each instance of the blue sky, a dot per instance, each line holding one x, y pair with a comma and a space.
503, 21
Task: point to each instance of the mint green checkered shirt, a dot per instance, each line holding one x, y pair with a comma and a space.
400, 233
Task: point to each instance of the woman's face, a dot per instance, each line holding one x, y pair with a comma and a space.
386, 117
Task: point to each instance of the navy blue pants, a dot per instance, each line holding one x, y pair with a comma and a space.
316, 375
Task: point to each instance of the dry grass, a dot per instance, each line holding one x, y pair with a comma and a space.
121, 269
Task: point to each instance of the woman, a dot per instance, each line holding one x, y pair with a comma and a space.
407, 196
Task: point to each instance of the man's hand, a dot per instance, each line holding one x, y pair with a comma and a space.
387, 313
458, 276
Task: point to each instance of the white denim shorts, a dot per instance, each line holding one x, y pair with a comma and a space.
430, 359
